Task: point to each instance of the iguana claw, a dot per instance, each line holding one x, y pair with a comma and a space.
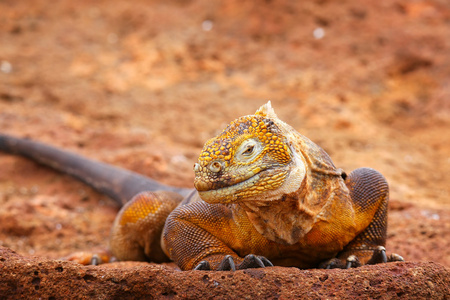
203, 266
227, 264
91, 258
352, 262
333, 263
253, 261
96, 260
378, 257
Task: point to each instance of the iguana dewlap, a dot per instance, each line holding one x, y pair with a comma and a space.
265, 195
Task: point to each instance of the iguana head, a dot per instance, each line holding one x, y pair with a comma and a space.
253, 158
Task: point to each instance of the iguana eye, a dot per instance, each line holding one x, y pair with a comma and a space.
248, 150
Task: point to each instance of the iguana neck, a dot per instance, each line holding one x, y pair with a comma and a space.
285, 220
289, 216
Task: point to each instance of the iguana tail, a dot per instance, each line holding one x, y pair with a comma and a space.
117, 183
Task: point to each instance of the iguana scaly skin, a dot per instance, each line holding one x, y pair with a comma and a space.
265, 195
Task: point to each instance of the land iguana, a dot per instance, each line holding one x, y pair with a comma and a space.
265, 195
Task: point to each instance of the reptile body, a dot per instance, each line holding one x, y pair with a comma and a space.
264, 195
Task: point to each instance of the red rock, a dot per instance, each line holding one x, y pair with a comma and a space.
24, 277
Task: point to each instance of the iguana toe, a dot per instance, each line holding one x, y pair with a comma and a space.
395, 257
378, 256
96, 260
203, 266
90, 258
253, 261
352, 262
227, 264
334, 263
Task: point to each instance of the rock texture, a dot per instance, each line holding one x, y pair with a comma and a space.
22, 277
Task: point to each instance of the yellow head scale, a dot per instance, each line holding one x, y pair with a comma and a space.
249, 158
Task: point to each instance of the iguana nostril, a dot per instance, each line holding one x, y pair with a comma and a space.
215, 167
196, 167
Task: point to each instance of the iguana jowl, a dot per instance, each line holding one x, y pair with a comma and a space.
265, 195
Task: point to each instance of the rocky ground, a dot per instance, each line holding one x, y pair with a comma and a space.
144, 84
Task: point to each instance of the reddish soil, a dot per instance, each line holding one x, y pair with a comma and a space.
143, 84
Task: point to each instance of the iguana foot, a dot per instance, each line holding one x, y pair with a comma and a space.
228, 264
91, 258
379, 256
352, 261
335, 263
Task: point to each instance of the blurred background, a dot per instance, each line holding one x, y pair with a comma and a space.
143, 84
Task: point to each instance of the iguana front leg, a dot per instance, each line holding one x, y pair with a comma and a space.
206, 236
369, 192
136, 232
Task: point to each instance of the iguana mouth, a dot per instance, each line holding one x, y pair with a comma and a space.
229, 193
263, 182
226, 180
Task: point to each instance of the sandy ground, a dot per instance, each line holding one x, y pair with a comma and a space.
143, 84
